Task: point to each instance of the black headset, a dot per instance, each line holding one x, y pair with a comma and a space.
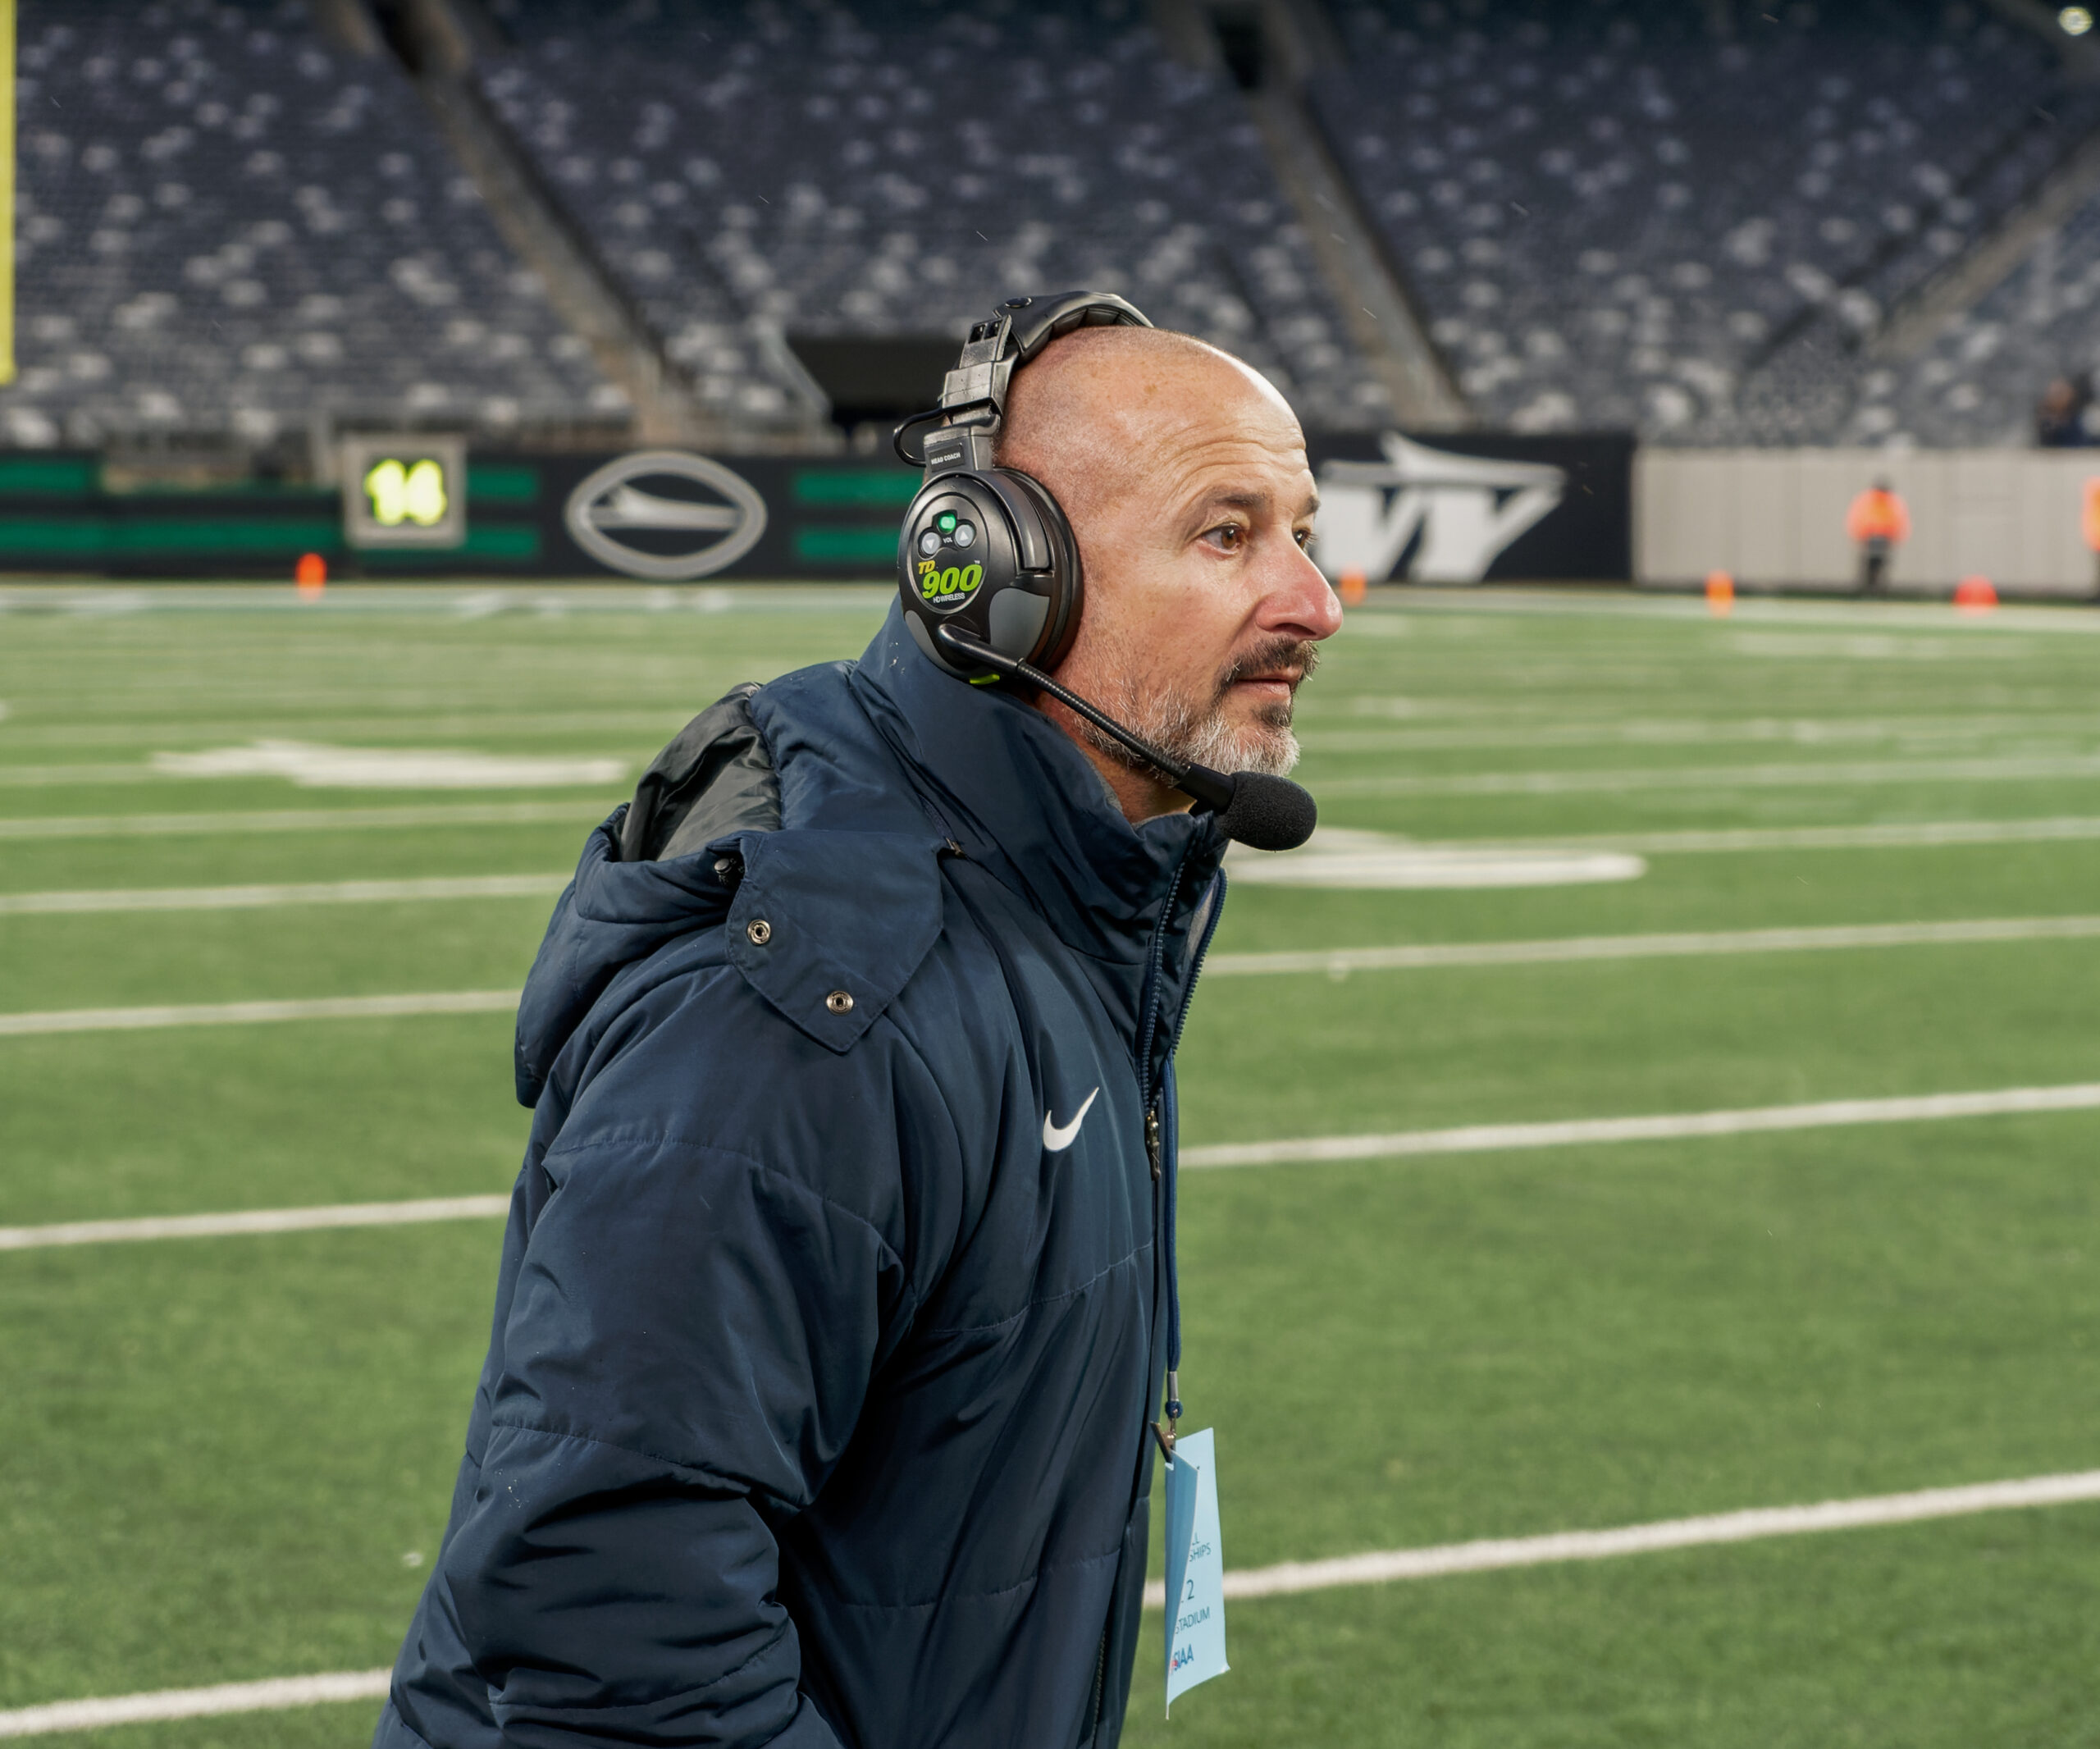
985, 550
989, 573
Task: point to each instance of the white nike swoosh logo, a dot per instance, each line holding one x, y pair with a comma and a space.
1058, 1138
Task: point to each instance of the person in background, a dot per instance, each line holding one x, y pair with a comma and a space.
2059, 418
1876, 523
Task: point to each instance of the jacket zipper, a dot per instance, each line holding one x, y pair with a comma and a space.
1149, 1009
1100, 1684
1150, 1097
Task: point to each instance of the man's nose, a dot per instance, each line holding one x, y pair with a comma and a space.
1300, 601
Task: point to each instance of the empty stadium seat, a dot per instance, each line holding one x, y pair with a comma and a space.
745, 172
1616, 217
226, 228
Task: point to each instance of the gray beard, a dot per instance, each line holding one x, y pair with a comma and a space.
1192, 737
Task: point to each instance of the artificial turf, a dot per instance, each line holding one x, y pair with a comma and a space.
220, 1452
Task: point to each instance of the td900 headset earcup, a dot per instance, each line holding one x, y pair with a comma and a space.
991, 554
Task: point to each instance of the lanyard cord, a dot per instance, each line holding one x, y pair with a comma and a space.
1169, 1169
1170, 1165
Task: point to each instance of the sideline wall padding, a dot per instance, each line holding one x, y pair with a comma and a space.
1775, 519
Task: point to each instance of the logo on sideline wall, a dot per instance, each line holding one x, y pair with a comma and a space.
1447, 516
667, 515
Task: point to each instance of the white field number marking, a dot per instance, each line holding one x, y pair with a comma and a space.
312, 765
1337, 857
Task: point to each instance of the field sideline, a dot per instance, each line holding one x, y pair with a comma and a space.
1868, 851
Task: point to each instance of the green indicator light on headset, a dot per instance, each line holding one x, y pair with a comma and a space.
945, 521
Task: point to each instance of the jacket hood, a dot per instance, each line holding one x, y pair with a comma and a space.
1013, 790
877, 764
610, 915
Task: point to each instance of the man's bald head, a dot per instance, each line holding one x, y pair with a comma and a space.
1184, 475
1100, 405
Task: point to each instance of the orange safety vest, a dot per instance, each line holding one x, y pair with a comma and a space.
2091, 519
1878, 516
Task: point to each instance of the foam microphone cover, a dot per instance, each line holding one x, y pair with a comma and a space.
1268, 813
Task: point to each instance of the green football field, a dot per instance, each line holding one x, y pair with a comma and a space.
228, 1458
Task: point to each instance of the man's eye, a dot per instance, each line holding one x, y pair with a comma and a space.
1304, 537
1230, 537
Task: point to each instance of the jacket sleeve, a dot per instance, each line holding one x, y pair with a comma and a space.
696, 1319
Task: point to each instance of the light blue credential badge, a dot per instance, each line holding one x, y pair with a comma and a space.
1195, 1568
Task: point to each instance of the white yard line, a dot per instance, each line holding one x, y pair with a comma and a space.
1909, 613
53, 777
1478, 1138
1339, 962
245, 1221
302, 819
1894, 835
259, 897
498, 719
1485, 1556
250, 1013
1372, 722
274, 1695
1902, 834
1474, 1139
1801, 774
1334, 962
1490, 1554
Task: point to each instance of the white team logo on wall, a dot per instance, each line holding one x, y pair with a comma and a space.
1456, 511
672, 533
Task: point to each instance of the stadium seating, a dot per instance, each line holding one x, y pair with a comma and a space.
226, 227
1980, 380
751, 172
1614, 217
1610, 214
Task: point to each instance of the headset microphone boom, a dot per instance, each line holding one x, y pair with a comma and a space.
990, 575
1259, 810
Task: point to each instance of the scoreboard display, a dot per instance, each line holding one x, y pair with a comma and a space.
405, 491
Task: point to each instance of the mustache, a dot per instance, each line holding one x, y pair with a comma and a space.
1274, 655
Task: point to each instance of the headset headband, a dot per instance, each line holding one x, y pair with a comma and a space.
974, 393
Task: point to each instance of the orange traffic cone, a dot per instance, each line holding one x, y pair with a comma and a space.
1353, 588
1974, 595
1720, 594
311, 574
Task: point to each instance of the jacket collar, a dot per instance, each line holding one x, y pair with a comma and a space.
1019, 797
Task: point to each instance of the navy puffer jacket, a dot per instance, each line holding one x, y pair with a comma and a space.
815, 1408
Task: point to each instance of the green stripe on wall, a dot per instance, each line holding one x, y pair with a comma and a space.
54, 536
53, 476
502, 482
853, 485
169, 534
851, 545
100, 536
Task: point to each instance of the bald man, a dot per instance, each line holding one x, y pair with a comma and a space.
831, 1325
